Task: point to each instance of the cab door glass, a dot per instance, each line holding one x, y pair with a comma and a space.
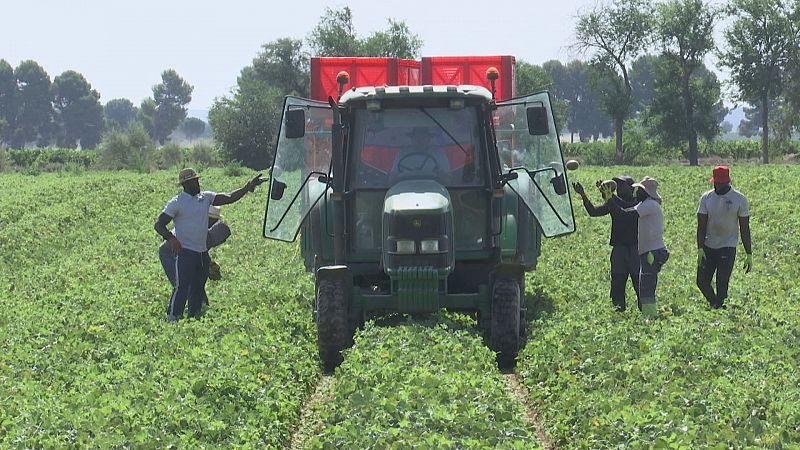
533, 151
302, 161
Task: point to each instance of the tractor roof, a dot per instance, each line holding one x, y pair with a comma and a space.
427, 91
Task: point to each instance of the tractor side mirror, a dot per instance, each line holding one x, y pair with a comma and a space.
537, 120
276, 193
559, 183
295, 123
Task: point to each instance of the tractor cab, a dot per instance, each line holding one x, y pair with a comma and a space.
413, 199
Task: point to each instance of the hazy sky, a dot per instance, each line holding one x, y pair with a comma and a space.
122, 47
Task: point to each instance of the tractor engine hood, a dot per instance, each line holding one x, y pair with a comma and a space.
418, 227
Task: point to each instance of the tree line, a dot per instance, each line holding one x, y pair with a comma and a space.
66, 112
646, 69
644, 72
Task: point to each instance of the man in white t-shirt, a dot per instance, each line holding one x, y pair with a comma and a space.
189, 213
722, 213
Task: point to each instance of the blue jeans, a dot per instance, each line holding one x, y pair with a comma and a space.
191, 273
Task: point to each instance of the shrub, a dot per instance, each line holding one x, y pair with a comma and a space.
234, 169
203, 155
131, 149
5, 163
171, 155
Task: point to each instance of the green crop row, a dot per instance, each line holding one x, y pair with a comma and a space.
429, 384
694, 377
642, 152
88, 359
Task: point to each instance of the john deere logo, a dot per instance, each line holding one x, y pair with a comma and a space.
416, 223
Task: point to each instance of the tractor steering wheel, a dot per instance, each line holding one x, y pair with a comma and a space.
403, 167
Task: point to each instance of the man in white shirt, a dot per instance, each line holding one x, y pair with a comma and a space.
722, 213
189, 213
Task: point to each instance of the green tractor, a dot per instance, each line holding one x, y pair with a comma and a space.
414, 199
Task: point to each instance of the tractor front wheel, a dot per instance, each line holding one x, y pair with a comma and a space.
333, 331
505, 323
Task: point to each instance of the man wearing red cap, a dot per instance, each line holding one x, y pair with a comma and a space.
722, 214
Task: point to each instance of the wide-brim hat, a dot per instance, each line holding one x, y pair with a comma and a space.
650, 185
624, 179
186, 175
720, 174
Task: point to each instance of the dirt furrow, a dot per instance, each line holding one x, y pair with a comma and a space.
309, 416
520, 393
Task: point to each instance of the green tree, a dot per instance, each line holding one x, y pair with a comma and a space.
615, 35
8, 94
335, 35
396, 42
643, 82
282, 64
571, 85
666, 115
78, 111
119, 113
193, 127
246, 124
34, 120
685, 30
171, 97
759, 45
146, 115
532, 78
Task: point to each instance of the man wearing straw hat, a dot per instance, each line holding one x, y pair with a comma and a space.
722, 214
189, 213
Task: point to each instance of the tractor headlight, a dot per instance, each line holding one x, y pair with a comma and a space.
429, 246
406, 246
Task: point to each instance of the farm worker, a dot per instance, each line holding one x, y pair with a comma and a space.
624, 243
652, 251
189, 211
722, 213
218, 233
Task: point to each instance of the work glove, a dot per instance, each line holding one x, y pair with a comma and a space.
748, 263
650, 258
701, 257
214, 271
606, 192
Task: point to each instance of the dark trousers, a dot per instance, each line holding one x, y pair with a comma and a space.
648, 275
170, 270
624, 265
719, 260
191, 273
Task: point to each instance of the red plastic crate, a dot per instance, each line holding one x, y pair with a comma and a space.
438, 70
363, 72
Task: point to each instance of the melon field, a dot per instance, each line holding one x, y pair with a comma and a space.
87, 359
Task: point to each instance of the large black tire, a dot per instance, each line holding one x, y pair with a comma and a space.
333, 332
505, 323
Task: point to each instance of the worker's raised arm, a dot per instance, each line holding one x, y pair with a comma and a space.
233, 197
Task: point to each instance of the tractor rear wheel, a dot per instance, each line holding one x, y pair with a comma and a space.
505, 323
333, 332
